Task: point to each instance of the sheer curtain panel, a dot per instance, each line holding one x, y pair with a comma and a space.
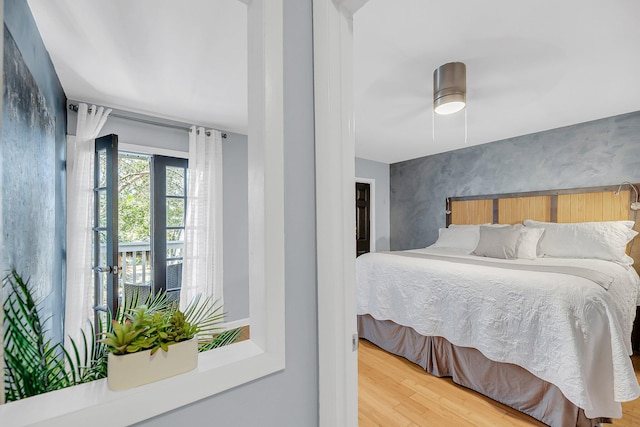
80, 158
202, 269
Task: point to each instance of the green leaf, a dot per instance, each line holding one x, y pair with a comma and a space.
222, 339
32, 365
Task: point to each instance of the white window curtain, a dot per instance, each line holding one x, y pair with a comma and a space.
80, 158
202, 271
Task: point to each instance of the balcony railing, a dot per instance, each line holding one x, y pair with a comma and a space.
137, 270
135, 260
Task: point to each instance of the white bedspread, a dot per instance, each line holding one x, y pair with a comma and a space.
564, 329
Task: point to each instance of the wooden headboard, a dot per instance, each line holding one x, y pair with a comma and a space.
568, 205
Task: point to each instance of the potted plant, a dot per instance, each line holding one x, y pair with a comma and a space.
152, 342
35, 363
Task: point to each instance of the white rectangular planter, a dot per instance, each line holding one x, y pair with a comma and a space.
135, 369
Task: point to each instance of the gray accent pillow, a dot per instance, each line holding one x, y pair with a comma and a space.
498, 242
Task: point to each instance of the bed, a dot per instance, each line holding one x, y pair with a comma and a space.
547, 335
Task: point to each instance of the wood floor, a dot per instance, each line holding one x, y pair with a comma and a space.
395, 392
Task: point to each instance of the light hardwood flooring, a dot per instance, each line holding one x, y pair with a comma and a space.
395, 392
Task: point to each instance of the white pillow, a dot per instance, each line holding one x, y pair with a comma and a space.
528, 242
458, 237
498, 242
605, 240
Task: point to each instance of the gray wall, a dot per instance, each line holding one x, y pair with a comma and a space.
600, 152
236, 226
288, 398
380, 173
35, 250
139, 133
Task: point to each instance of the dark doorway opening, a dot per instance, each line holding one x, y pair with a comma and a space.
363, 218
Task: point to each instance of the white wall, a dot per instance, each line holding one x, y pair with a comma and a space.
288, 398
380, 173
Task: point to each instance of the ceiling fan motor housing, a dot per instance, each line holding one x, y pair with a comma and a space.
449, 87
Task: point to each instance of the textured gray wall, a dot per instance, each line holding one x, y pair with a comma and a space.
288, 398
380, 173
21, 25
28, 198
601, 152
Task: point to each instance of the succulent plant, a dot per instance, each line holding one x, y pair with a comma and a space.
144, 329
174, 330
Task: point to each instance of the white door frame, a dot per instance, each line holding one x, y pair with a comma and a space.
335, 211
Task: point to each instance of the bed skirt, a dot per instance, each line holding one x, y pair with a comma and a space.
506, 383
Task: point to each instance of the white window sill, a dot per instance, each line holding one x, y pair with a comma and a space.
89, 404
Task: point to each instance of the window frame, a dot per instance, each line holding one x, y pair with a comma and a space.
264, 353
108, 144
159, 164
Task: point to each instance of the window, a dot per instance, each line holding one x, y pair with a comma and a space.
140, 211
105, 228
169, 182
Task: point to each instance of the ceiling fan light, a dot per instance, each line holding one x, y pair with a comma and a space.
449, 88
448, 105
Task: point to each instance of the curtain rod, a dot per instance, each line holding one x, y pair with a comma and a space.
74, 107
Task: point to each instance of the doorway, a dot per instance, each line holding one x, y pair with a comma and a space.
363, 223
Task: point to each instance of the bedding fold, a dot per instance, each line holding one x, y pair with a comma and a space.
595, 276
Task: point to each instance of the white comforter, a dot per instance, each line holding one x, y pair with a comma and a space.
564, 329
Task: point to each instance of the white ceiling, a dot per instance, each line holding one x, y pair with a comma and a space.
531, 65
182, 60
